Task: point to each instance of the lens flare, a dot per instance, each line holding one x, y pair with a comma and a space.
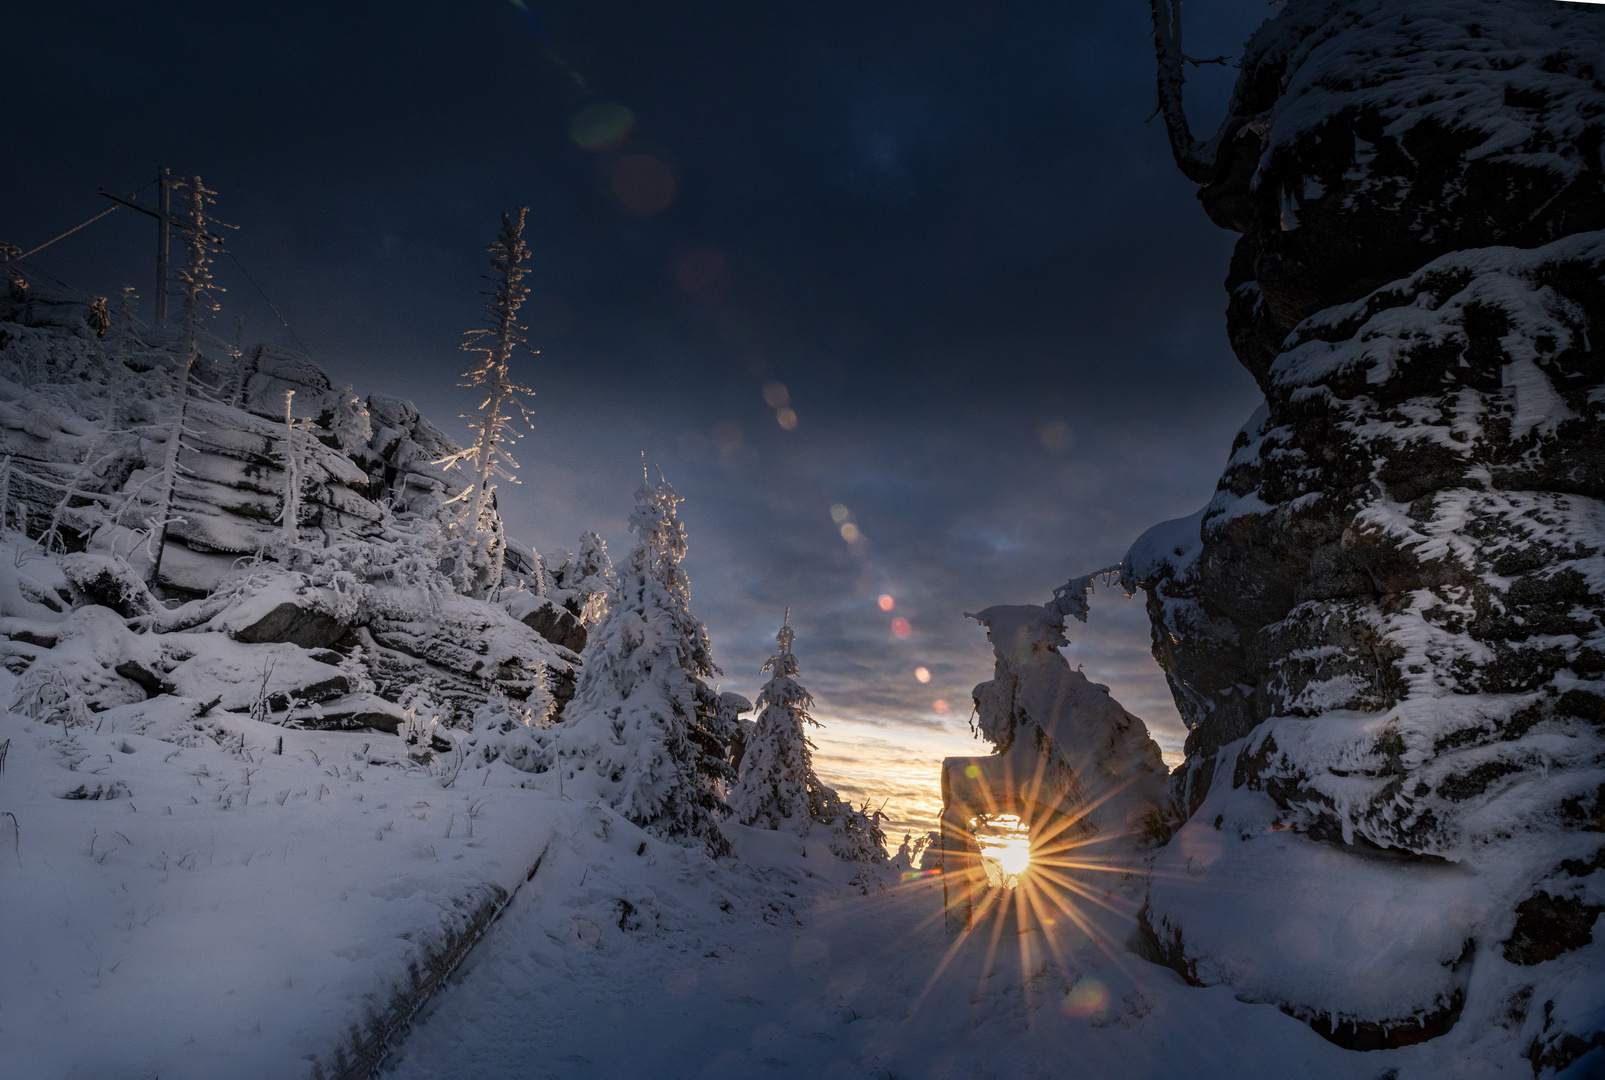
726, 435
787, 419
923, 674
642, 183
900, 625
601, 125
839, 514
1087, 997
1056, 437
886, 602
850, 533
704, 275
940, 705
776, 396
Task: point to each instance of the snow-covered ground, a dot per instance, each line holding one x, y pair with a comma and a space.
665, 964
222, 908
225, 909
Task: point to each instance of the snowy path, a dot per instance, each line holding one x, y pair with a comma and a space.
846, 988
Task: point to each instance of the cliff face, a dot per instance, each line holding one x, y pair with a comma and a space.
361, 616
1385, 631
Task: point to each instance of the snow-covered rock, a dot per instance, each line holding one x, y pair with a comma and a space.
1071, 764
1385, 631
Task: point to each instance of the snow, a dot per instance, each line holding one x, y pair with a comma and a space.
224, 909
767, 966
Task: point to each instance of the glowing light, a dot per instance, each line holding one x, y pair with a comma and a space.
1086, 998
850, 533
923, 674
839, 514
642, 183
900, 625
786, 419
940, 705
601, 125
886, 602
776, 396
1013, 856
1005, 844
972, 771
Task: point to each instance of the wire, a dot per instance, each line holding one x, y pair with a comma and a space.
268, 302
69, 232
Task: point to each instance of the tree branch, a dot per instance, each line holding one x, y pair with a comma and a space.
1195, 159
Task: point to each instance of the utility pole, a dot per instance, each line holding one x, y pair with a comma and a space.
164, 220
163, 186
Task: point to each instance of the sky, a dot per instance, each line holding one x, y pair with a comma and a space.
920, 270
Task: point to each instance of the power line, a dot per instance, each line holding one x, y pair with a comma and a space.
69, 232
235, 259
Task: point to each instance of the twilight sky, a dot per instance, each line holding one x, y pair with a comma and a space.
941, 234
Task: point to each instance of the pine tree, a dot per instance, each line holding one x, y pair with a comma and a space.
478, 528
777, 786
590, 575
639, 721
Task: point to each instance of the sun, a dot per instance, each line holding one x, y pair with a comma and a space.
1005, 842
1014, 855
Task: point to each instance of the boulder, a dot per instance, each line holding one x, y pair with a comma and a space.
557, 625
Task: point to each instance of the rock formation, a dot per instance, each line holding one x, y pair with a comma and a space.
336, 628
1385, 631
1074, 767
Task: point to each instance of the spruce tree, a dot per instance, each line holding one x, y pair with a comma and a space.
478, 529
778, 787
640, 724
590, 574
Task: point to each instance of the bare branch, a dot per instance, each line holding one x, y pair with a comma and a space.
1195, 159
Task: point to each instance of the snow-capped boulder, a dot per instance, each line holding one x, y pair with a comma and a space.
554, 622
108, 581
1385, 631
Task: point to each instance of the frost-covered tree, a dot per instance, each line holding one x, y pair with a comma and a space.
777, 769
200, 302
351, 425
293, 459
639, 723
590, 575
478, 529
5, 494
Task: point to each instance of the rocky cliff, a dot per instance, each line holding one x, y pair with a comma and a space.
1385, 631
349, 619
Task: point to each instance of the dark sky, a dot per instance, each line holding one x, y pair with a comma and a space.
943, 227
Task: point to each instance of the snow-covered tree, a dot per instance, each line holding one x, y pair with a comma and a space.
199, 303
293, 459
590, 575
351, 425
478, 529
639, 723
5, 494
777, 768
